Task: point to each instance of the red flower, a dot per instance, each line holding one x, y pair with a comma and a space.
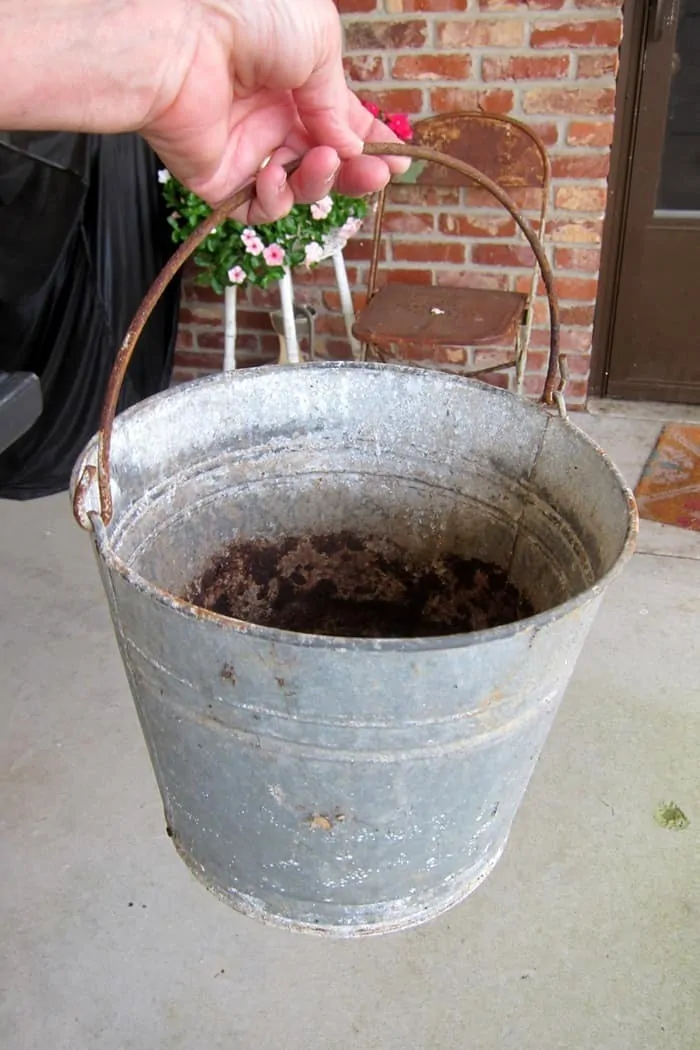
371, 108
400, 125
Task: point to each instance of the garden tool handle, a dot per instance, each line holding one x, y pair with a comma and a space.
219, 215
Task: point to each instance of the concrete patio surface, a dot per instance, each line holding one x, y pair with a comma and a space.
586, 936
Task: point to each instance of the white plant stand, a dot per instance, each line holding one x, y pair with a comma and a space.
334, 252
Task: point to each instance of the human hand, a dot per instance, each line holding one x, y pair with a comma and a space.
252, 79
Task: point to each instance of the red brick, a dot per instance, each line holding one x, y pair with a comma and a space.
524, 67
580, 198
215, 340
603, 65
257, 320
397, 7
575, 231
432, 67
446, 100
350, 6
569, 100
517, 5
409, 222
331, 300
269, 349
581, 165
586, 259
605, 32
471, 279
577, 315
201, 314
424, 196
359, 249
502, 255
377, 36
487, 357
537, 362
184, 339
578, 339
579, 364
575, 390
527, 199
476, 225
540, 311
406, 276
339, 350
479, 32
549, 133
202, 294
197, 359
361, 68
498, 379
399, 100
583, 289
426, 251
330, 324
590, 133
183, 375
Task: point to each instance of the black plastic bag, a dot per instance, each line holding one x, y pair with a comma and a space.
83, 234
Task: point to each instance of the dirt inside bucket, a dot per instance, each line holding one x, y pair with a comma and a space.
350, 586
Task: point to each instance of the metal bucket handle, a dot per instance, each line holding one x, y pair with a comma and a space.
553, 384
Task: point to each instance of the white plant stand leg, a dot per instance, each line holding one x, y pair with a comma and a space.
341, 277
230, 304
290, 327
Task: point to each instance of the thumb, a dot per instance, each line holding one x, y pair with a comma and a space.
324, 106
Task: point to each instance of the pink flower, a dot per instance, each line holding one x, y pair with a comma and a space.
371, 108
249, 234
274, 255
314, 253
400, 125
322, 209
254, 246
351, 227
237, 275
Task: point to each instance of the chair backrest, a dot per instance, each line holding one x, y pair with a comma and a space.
505, 149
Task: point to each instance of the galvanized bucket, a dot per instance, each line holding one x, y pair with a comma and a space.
346, 786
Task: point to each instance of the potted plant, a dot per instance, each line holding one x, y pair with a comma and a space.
235, 255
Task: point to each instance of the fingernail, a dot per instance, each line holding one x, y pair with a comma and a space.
334, 175
283, 181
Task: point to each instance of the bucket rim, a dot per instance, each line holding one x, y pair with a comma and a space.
338, 642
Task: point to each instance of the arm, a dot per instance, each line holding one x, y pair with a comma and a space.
216, 86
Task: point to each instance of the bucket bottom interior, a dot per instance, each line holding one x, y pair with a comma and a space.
360, 545
360, 586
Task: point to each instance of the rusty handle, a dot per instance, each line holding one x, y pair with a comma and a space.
219, 215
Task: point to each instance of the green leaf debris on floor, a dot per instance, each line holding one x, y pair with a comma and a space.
669, 815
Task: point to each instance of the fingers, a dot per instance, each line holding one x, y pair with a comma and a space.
324, 102
372, 130
362, 176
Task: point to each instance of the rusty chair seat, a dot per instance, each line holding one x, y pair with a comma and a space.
440, 316
458, 151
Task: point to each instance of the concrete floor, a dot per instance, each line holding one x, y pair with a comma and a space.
586, 937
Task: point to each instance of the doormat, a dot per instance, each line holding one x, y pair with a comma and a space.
669, 489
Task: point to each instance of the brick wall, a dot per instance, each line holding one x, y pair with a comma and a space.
549, 62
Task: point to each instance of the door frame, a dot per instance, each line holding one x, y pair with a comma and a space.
629, 84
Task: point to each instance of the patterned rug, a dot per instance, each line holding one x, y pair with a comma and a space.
669, 489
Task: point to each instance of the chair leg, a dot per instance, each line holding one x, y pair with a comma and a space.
289, 320
521, 358
230, 300
341, 276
